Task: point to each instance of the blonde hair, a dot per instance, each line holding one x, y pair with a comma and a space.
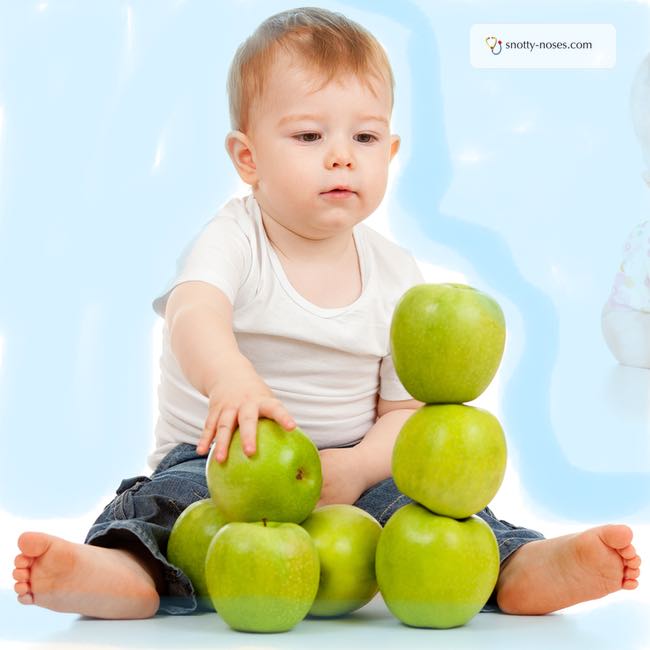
326, 41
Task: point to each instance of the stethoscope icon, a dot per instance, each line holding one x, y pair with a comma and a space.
494, 44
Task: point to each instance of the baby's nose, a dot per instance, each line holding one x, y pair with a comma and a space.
339, 155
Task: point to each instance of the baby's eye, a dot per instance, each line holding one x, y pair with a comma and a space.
307, 137
366, 138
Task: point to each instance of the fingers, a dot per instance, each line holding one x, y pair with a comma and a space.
209, 431
274, 409
248, 414
225, 430
221, 424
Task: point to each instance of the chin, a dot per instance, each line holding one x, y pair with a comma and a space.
335, 225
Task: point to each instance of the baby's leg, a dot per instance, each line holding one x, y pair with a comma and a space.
121, 571
547, 575
66, 577
539, 575
384, 499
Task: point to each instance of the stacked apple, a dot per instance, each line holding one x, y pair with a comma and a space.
245, 552
437, 563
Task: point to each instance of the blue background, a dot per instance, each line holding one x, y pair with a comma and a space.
112, 122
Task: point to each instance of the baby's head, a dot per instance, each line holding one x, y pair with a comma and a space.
326, 43
311, 96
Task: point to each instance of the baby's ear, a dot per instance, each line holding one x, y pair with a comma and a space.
240, 150
394, 145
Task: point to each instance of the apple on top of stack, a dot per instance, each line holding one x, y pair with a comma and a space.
259, 554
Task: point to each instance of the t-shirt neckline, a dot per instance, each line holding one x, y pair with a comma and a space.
296, 296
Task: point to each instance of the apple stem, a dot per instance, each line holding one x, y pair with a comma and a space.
264, 522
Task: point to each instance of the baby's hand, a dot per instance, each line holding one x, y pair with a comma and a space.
240, 401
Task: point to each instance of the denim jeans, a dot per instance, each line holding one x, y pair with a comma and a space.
142, 514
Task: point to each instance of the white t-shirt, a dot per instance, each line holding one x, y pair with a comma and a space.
327, 366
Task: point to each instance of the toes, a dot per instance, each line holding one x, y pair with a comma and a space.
618, 536
34, 544
631, 574
634, 563
22, 588
23, 562
628, 552
26, 599
21, 575
630, 584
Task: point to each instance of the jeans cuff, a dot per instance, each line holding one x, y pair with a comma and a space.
178, 596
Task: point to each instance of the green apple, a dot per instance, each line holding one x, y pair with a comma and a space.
447, 341
435, 571
451, 458
346, 540
188, 544
281, 481
262, 576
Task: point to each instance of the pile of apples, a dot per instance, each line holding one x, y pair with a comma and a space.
437, 563
258, 552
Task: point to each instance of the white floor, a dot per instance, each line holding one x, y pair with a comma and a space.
621, 623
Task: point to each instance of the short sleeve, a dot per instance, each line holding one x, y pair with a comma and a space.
390, 387
219, 255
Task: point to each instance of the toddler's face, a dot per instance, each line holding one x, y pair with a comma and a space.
306, 143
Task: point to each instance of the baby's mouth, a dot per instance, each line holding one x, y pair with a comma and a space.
339, 193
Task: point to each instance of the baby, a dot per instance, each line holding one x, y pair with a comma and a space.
281, 309
625, 317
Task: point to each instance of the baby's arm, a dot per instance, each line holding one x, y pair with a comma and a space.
376, 447
199, 318
349, 471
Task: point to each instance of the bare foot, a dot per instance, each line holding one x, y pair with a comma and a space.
66, 577
545, 575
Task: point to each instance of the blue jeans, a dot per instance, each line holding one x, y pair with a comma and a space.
142, 514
